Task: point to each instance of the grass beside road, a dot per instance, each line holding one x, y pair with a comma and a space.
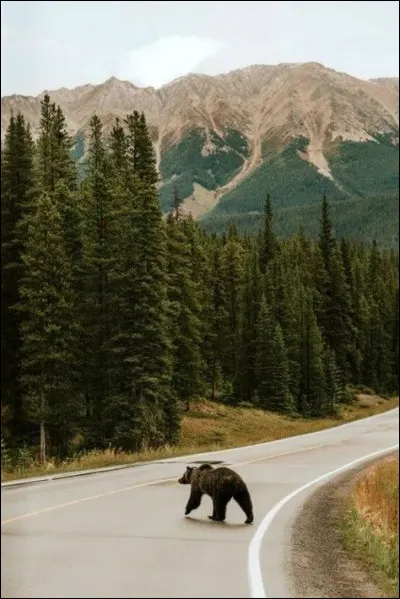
211, 426
371, 523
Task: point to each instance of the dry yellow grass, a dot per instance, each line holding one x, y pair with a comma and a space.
376, 497
372, 522
220, 425
212, 426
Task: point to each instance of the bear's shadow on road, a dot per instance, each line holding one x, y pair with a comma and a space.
213, 524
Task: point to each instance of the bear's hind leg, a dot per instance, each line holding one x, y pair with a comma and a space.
213, 514
242, 497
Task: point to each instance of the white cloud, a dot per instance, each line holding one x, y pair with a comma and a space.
168, 58
6, 33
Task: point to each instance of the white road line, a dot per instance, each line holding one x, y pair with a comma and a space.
254, 569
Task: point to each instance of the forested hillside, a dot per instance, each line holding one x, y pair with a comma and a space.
115, 318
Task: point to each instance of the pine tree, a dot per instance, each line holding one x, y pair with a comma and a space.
312, 392
381, 295
280, 397
45, 145
183, 294
201, 277
48, 333
290, 319
320, 282
151, 364
374, 267
353, 310
326, 236
68, 206
16, 202
142, 407
251, 304
54, 162
71, 218
345, 250
64, 167
217, 321
119, 156
141, 153
271, 364
334, 300
176, 202
232, 232
263, 355
377, 357
334, 388
232, 266
338, 325
268, 242
97, 263
128, 416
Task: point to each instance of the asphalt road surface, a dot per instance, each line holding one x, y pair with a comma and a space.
123, 533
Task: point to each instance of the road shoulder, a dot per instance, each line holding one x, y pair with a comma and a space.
318, 564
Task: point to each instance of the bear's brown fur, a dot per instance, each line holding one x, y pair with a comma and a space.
221, 484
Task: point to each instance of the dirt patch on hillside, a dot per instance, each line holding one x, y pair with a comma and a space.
201, 201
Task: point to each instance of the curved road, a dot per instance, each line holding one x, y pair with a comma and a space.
123, 533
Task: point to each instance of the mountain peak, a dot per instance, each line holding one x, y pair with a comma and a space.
113, 82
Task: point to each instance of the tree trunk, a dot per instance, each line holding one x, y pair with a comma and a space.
213, 380
42, 457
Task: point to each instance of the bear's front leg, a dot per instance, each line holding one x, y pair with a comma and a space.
194, 501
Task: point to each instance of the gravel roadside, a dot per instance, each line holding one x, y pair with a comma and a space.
318, 565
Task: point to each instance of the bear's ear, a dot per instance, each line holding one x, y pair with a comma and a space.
189, 469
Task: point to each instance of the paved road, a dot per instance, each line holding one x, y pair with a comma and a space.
123, 533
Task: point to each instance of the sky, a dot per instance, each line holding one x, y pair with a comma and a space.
48, 45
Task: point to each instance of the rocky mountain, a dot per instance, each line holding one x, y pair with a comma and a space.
293, 130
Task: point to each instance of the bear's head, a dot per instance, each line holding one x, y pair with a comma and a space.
186, 479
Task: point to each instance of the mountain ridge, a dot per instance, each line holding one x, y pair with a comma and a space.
117, 95
212, 134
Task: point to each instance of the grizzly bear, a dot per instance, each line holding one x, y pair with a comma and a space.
221, 484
